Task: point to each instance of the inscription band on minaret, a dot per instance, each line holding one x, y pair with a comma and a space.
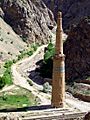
58, 82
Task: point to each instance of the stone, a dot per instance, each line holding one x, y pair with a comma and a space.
73, 11
1, 13
32, 20
54, 6
77, 51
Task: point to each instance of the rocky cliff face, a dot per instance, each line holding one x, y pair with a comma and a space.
74, 11
54, 5
77, 51
31, 19
1, 13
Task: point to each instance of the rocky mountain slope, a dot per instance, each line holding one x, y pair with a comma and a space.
30, 19
77, 45
77, 51
54, 6
74, 10
10, 43
33, 21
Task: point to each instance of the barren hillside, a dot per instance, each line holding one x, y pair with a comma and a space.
10, 43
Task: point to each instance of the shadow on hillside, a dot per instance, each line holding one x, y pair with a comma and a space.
31, 108
35, 76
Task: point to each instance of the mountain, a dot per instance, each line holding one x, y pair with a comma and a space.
74, 11
77, 51
33, 21
30, 19
54, 6
10, 43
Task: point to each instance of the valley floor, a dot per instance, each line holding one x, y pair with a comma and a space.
19, 71
74, 108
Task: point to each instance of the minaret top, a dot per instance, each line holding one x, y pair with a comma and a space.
59, 32
59, 15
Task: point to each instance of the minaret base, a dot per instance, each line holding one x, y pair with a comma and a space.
58, 82
57, 105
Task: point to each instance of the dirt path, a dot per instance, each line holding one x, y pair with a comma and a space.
19, 69
21, 81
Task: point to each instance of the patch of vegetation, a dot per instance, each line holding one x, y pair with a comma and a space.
28, 52
14, 100
86, 92
34, 46
2, 83
49, 53
17, 99
7, 76
6, 79
46, 67
30, 82
8, 64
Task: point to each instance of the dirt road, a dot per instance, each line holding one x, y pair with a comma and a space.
21, 81
18, 71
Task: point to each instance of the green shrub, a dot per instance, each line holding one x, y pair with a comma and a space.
49, 53
19, 57
30, 82
8, 64
2, 83
14, 61
47, 65
30, 52
34, 46
7, 76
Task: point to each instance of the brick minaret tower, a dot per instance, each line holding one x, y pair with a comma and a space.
58, 83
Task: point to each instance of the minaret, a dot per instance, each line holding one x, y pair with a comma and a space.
58, 82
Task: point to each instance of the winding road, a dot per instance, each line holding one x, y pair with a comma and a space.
19, 79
